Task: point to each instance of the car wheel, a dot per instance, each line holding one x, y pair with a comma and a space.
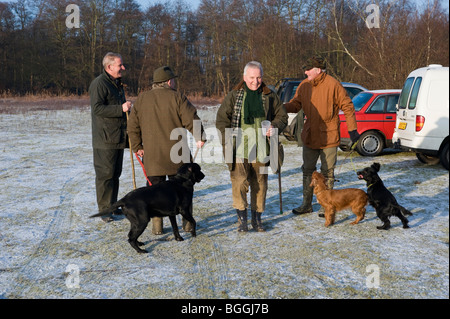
370, 144
444, 156
427, 159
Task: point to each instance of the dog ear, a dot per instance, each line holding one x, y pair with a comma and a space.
376, 166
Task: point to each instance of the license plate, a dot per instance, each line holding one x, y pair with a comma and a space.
402, 126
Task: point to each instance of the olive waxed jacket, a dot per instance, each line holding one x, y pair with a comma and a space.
158, 124
109, 122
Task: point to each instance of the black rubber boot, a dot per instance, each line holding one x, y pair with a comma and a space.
256, 221
308, 193
242, 219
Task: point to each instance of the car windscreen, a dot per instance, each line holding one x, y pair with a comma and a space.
360, 100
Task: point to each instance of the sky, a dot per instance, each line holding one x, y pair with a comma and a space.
145, 3
195, 3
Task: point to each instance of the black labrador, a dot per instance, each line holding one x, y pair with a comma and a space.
381, 198
168, 198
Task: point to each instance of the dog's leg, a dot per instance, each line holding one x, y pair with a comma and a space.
193, 223
133, 235
173, 222
360, 213
190, 219
404, 220
386, 223
329, 216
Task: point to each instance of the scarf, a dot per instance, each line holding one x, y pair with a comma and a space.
253, 106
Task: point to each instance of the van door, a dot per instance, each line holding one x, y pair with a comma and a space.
407, 108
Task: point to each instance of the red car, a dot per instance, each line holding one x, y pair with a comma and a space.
375, 114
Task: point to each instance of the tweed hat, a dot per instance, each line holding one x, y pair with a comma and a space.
315, 62
163, 74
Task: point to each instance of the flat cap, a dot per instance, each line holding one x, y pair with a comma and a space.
315, 62
163, 74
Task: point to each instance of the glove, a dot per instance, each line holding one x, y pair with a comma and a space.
354, 137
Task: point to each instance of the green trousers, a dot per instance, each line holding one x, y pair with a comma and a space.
108, 168
328, 158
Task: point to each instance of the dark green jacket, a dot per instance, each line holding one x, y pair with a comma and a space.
109, 122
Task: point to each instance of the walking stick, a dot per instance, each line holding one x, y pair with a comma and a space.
279, 187
279, 181
132, 160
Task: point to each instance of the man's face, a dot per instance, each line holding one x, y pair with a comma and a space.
313, 73
253, 78
115, 69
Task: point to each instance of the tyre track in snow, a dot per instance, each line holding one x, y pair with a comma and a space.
211, 267
42, 264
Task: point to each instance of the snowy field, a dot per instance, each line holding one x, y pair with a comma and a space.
49, 248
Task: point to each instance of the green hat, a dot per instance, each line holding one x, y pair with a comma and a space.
315, 62
163, 74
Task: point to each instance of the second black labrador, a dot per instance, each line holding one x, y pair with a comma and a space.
381, 198
165, 199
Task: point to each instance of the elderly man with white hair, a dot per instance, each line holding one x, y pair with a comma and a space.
243, 109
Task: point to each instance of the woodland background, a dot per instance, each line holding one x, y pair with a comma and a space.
209, 46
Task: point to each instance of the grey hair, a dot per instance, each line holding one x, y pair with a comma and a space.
253, 65
109, 58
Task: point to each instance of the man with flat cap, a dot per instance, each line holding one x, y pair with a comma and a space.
321, 97
155, 114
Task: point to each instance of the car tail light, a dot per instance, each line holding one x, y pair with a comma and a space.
420, 121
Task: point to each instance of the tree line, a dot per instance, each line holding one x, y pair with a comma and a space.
209, 46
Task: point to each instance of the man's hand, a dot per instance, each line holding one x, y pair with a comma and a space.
126, 106
200, 144
140, 153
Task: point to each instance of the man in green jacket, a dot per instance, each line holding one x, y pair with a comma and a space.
109, 129
158, 127
243, 110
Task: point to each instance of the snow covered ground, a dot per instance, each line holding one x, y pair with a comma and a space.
49, 248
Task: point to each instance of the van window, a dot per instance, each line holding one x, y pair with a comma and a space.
414, 94
405, 93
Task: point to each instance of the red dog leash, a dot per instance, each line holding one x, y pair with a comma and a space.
143, 169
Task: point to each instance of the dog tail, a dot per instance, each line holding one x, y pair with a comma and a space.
404, 211
109, 210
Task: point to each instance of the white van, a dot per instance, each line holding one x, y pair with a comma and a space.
422, 115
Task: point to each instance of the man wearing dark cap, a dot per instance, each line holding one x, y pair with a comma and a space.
154, 116
321, 97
